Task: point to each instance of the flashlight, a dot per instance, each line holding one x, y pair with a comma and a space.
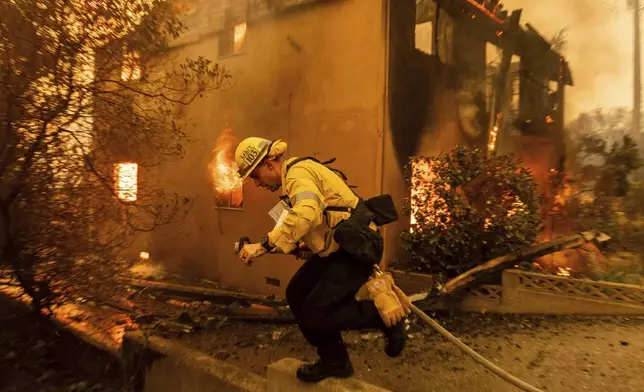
240, 244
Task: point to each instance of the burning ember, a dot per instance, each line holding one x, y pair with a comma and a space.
493, 134
144, 256
421, 194
126, 180
425, 199
564, 271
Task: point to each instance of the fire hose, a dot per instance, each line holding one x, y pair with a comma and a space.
439, 328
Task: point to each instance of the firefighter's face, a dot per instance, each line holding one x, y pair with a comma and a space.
267, 175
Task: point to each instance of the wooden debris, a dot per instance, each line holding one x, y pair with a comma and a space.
175, 327
178, 304
474, 275
257, 311
264, 319
203, 293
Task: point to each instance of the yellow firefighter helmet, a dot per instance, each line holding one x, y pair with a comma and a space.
250, 153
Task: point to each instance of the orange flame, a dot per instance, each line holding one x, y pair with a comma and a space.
223, 169
224, 173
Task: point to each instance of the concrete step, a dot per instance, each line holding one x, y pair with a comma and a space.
281, 378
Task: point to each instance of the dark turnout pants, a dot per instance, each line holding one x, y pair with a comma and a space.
321, 298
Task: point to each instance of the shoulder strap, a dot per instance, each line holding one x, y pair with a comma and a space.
298, 160
336, 171
325, 163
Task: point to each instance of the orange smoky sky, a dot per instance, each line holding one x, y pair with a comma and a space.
599, 48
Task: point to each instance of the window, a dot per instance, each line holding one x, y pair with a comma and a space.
445, 31
131, 68
514, 80
233, 40
239, 38
126, 181
492, 62
425, 37
493, 57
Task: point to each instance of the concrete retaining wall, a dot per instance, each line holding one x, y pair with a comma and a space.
159, 365
154, 364
533, 293
527, 292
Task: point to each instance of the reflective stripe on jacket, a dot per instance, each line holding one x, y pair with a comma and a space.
311, 187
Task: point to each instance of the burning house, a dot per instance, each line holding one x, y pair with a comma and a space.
368, 82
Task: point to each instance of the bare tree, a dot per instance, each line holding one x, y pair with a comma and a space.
88, 102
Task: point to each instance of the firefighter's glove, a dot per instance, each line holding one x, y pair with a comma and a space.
402, 297
389, 306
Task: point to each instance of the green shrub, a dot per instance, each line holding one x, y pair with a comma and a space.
467, 210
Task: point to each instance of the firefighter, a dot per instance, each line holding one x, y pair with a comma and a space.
322, 295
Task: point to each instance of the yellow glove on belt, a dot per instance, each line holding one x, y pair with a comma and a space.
402, 297
381, 289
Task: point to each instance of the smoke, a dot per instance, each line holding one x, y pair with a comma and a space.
599, 48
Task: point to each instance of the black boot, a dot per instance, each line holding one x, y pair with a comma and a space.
319, 370
395, 338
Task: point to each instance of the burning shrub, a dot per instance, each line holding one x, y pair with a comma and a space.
466, 209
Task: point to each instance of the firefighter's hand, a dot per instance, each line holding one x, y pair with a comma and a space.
251, 251
302, 252
391, 310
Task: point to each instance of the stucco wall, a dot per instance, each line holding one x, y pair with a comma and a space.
314, 77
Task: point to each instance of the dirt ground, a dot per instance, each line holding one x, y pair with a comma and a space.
552, 353
32, 357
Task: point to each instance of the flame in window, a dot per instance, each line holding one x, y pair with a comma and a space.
239, 37
126, 181
224, 173
131, 68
